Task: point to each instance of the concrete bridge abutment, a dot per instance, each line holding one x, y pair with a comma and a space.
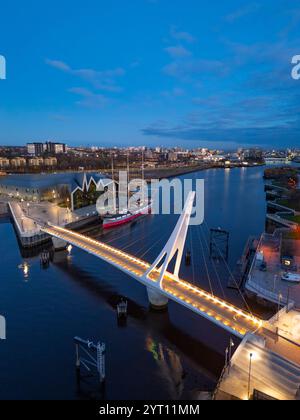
59, 244
156, 299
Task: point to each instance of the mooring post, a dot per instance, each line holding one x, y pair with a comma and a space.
77, 357
101, 361
219, 244
188, 258
89, 360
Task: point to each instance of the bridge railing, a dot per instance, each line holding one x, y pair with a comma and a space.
218, 387
284, 310
265, 293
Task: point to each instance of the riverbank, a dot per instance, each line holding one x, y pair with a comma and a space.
150, 173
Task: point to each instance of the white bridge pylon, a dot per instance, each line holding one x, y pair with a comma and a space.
175, 245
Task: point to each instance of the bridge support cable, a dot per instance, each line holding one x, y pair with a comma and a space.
219, 281
204, 240
205, 263
192, 255
130, 230
130, 244
136, 240
116, 237
231, 275
153, 245
175, 245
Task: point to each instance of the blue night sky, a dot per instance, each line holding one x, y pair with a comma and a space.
192, 73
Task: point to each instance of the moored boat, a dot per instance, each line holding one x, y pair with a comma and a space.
111, 221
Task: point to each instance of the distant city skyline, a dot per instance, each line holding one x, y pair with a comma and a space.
142, 73
185, 146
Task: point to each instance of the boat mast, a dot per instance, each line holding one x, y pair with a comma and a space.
128, 180
143, 177
114, 184
128, 167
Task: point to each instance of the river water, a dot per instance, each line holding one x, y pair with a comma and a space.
171, 355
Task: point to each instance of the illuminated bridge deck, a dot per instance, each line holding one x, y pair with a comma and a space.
216, 310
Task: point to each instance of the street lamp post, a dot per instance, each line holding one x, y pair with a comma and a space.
275, 282
288, 301
280, 297
249, 380
226, 357
231, 345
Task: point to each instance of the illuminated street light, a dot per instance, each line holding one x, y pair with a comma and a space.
226, 357
231, 345
280, 297
249, 381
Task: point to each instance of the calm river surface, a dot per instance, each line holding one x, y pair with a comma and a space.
170, 355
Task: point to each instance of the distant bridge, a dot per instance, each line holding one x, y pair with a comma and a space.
161, 284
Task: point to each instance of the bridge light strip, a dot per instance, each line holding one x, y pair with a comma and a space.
185, 285
218, 301
101, 244
218, 318
97, 252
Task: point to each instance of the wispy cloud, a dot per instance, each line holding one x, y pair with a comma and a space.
178, 51
89, 99
60, 65
60, 117
176, 92
242, 12
102, 80
187, 69
181, 35
185, 65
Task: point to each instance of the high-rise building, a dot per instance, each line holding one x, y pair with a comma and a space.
52, 148
253, 154
56, 148
36, 149
172, 156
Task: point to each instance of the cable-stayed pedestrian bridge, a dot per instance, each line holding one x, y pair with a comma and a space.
161, 284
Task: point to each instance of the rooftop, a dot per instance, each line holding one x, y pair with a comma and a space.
266, 274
